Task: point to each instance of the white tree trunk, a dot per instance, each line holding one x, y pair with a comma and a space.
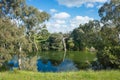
19, 63
19, 57
64, 45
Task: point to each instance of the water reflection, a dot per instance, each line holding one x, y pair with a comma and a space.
66, 65
56, 61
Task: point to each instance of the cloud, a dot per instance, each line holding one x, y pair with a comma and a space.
75, 22
78, 3
56, 27
62, 23
90, 5
82, 19
53, 10
61, 15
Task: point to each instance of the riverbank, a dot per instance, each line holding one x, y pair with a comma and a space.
80, 75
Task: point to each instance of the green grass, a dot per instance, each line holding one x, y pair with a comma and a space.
80, 75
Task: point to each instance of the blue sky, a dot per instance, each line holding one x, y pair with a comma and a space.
68, 14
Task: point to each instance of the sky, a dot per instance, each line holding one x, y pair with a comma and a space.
67, 15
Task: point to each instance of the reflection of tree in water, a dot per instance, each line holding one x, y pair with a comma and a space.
66, 65
55, 62
82, 64
45, 67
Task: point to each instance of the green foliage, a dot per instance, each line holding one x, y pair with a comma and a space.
78, 36
103, 38
43, 35
90, 31
12, 42
11, 7
42, 39
107, 36
110, 57
108, 52
19, 38
10, 37
110, 12
55, 41
70, 44
45, 46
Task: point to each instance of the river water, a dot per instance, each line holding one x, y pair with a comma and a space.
56, 61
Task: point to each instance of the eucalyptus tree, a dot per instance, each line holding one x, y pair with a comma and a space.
10, 36
108, 55
110, 12
26, 18
33, 18
109, 47
85, 34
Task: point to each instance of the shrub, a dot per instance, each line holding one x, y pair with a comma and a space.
109, 57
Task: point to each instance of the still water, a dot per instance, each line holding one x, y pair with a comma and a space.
56, 61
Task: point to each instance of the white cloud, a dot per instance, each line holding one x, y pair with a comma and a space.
62, 15
81, 20
56, 27
90, 5
60, 21
66, 24
75, 22
53, 10
78, 3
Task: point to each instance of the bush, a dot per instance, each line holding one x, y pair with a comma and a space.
109, 57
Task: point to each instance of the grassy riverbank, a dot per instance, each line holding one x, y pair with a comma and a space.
80, 75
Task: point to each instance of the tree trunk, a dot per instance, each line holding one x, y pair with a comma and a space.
19, 57
64, 45
35, 44
19, 63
